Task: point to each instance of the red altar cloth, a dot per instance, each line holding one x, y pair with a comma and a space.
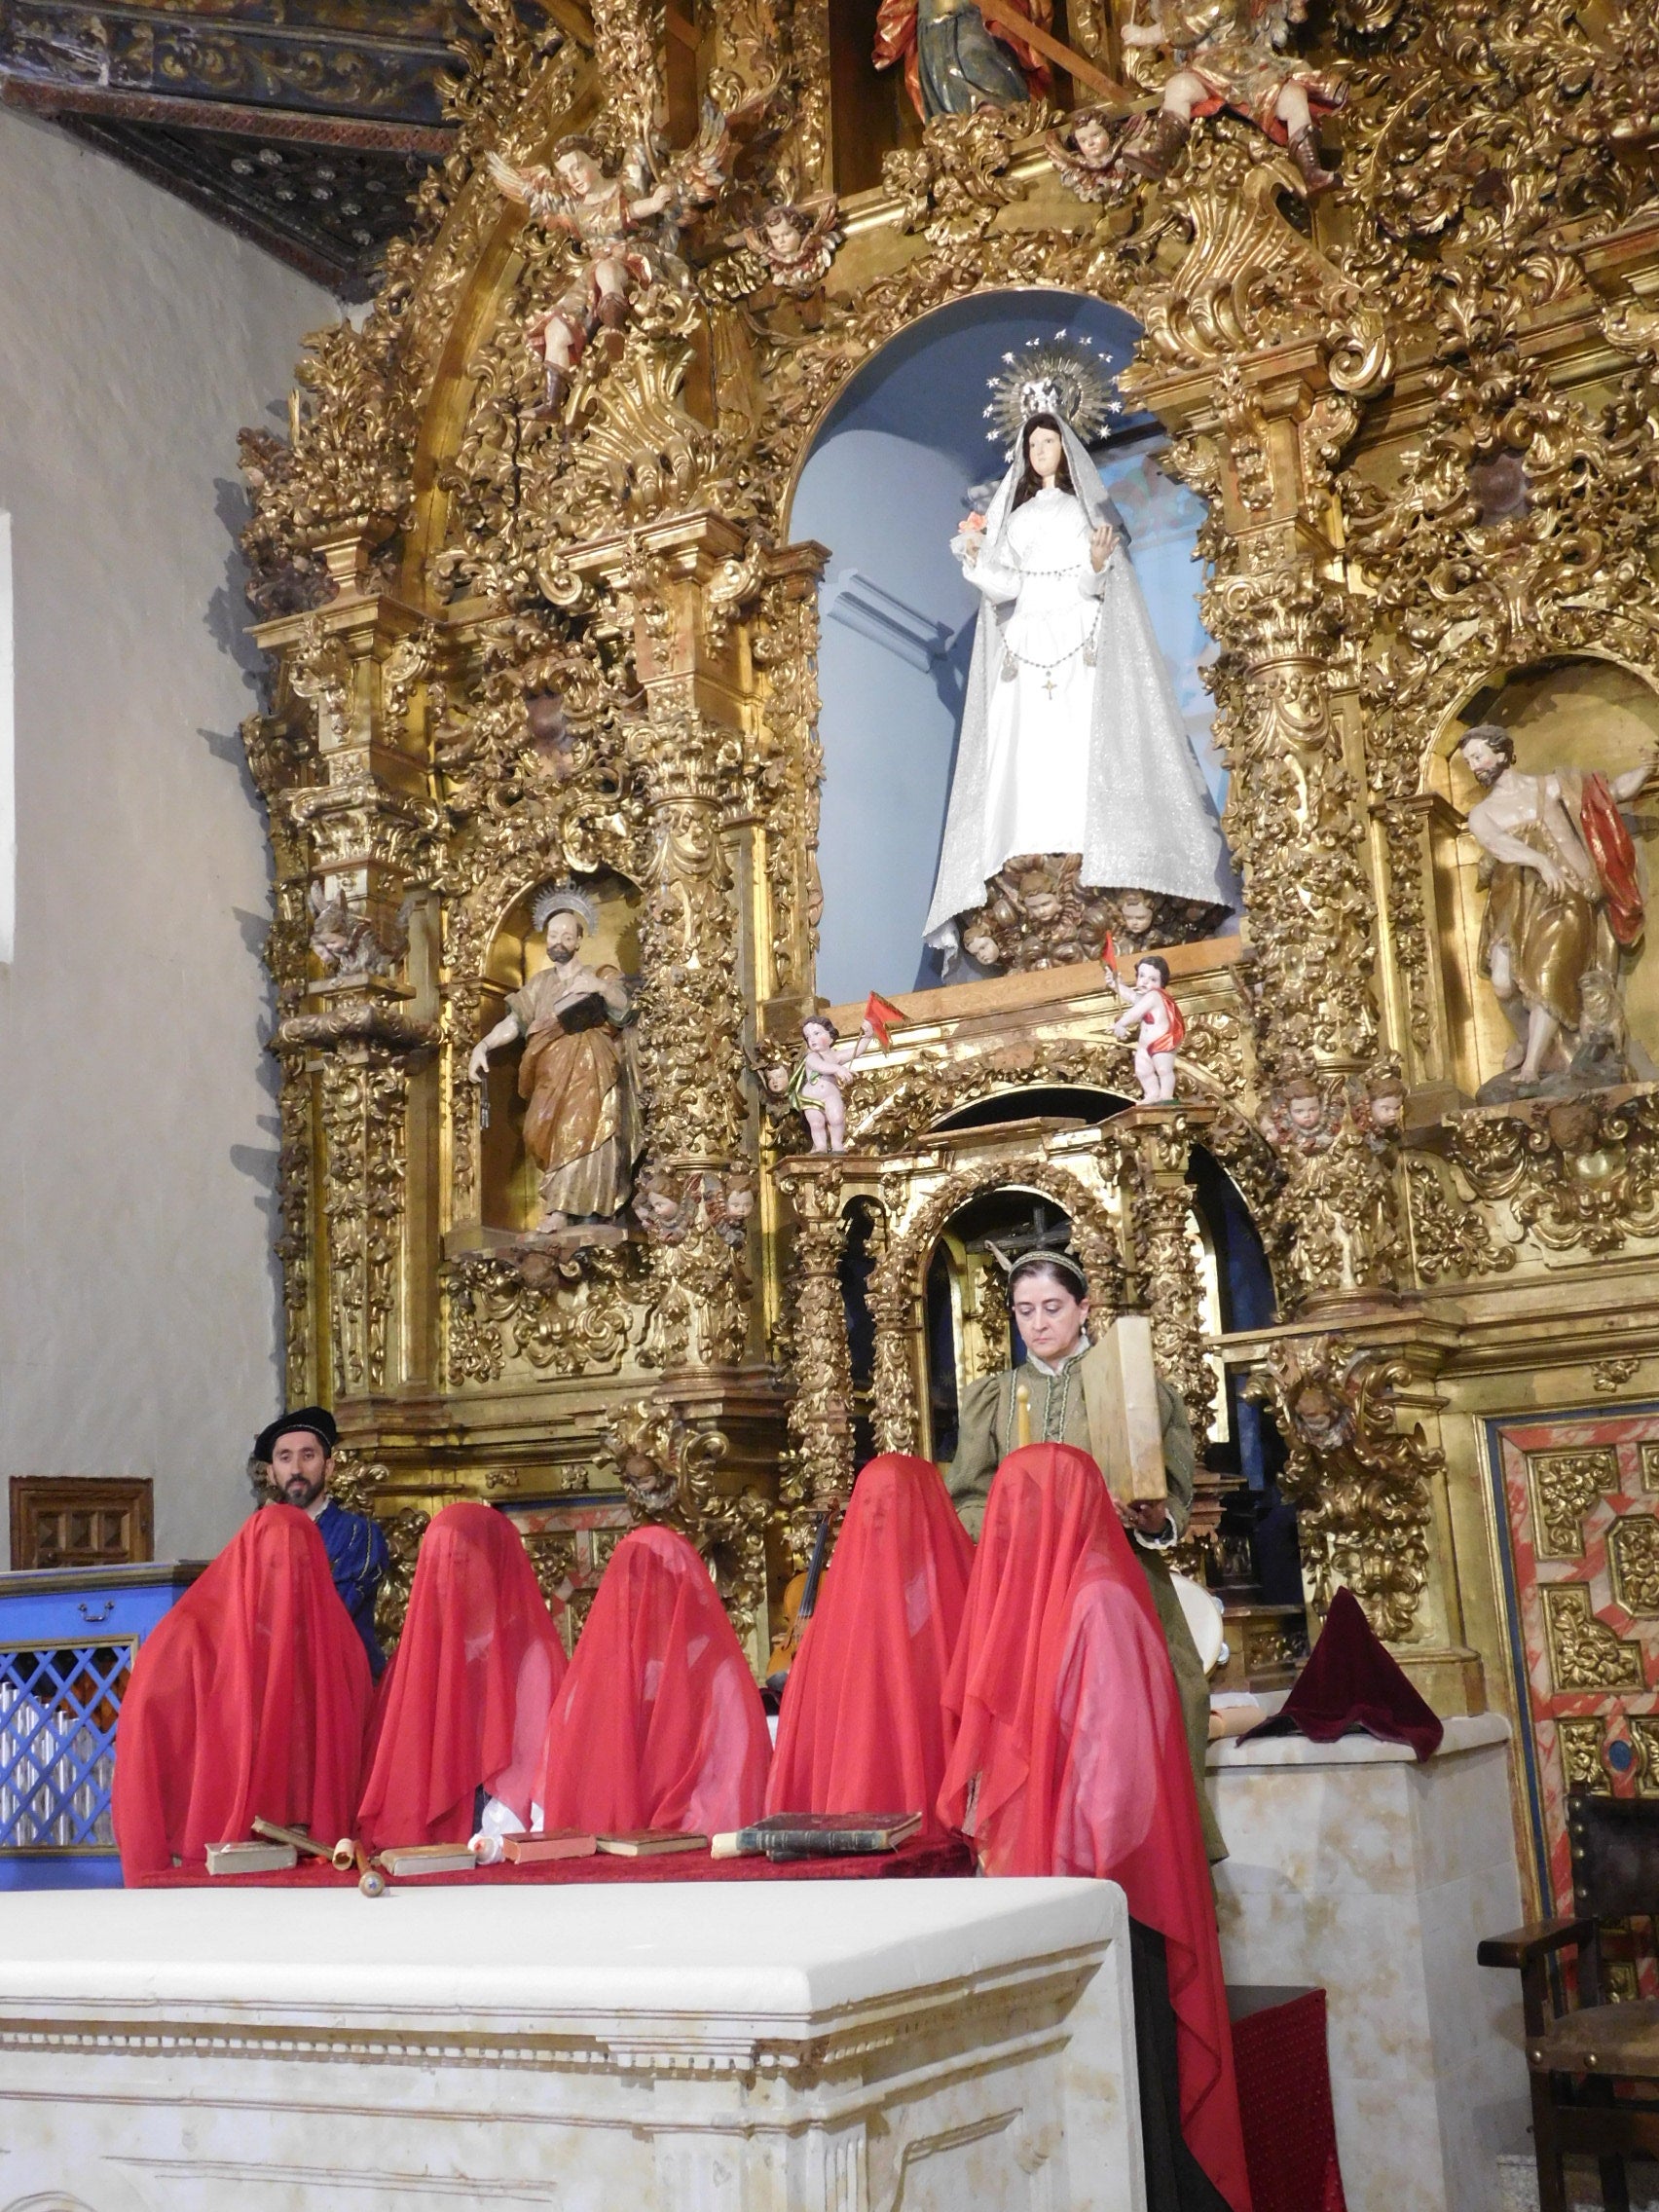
1283, 2069
916, 1859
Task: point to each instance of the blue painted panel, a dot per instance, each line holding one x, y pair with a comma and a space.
67, 1638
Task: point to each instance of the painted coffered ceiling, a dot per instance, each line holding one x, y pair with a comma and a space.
305, 125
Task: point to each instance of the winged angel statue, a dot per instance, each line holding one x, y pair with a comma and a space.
624, 226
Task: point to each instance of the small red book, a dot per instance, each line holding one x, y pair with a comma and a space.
536, 1850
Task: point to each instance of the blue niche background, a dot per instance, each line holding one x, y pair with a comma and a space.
885, 486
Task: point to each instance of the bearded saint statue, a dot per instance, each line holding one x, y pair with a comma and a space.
580, 1126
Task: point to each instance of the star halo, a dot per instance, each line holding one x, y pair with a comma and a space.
1061, 375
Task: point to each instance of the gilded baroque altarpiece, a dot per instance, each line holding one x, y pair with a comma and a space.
517, 644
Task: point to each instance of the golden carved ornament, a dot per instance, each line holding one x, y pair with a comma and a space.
1585, 1653
1361, 1480
1610, 1376
555, 1313
1644, 1739
1450, 1238
1582, 1765
1633, 1560
820, 1476
670, 1474
1580, 1175
1565, 1486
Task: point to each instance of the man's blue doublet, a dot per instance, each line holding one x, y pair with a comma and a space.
358, 1560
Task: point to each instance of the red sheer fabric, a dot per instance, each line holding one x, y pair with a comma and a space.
466, 1698
250, 1699
659, 1725
1070, 1753
863, 1722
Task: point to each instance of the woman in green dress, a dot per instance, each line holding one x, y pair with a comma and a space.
1047, 1295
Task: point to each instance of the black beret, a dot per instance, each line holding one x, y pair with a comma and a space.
315, 1421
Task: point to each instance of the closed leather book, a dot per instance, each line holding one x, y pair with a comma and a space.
649, 1842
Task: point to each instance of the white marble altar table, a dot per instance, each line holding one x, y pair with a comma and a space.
818, 2047
1356, 1868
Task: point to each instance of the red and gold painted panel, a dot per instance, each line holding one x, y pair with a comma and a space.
1579, 1501
570, 1545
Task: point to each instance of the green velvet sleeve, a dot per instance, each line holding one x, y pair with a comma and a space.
978, 1451
1180, 1454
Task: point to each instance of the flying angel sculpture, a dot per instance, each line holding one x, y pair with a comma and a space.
624, 226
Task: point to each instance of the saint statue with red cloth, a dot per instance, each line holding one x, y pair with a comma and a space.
249, 1700
464, 1707
1070, 1758
863, 1723
659, 1723
1564, 918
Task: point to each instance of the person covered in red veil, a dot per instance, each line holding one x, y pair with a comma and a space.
1070, 1758
248, 1700
863, 1723
464, 1708
659, 1723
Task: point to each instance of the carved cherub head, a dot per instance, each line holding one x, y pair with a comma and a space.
1300, 1114
578, 165
1379, 1105
1093, 138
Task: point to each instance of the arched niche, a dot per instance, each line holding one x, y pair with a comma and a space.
884, 484
1580, 712
508, 1177
935, 1283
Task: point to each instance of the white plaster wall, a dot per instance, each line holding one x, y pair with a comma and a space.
137, 1130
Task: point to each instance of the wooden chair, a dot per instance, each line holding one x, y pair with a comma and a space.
1594, 2066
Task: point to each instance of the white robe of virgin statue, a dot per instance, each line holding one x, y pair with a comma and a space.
1037, 774
1072, 740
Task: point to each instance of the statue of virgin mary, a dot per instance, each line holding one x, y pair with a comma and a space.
1072, 742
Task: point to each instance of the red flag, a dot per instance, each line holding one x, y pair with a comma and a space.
882, 1014
1109, 955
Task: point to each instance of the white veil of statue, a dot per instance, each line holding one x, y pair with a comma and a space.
1125, 772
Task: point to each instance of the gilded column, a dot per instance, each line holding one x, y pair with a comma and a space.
820, 1415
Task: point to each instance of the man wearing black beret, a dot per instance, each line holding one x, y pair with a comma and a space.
298, 1449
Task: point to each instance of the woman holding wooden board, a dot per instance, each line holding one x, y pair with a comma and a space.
1106, 1399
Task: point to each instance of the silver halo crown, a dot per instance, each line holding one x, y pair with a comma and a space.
1061, 375
564, 899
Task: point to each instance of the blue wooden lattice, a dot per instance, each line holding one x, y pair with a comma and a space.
58, 1716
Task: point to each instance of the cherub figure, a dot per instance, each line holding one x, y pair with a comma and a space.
796, 244
1088, 152
1301, 1116
1149, 1007
1378, 1101
618, 225
1229, 54
819, 1077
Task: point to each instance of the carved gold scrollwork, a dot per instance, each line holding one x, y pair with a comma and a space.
559, 1316
1582, 1765
1633, 1560
820, 1414
1645, 1737
1585, 1653
1359, 1478
670, 1472
1565, 1486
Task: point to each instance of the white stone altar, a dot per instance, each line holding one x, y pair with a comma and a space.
766, 2046
1358, 1868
